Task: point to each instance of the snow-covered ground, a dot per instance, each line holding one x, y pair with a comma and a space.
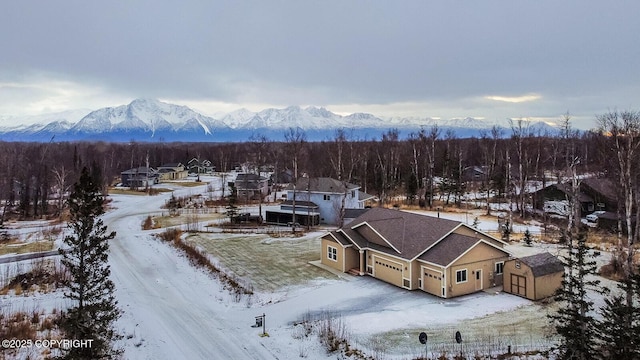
173, 310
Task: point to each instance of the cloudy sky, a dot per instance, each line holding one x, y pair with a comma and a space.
442, 59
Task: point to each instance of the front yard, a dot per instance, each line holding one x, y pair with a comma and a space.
269, 264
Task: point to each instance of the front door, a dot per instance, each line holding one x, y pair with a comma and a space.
479, 279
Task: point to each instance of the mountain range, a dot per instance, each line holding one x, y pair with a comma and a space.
152, 120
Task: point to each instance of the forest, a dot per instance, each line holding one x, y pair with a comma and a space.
424, 166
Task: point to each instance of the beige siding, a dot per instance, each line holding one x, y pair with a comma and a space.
351, 259
479, 264
547, 285
324, 259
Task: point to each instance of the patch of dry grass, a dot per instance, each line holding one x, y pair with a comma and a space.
22, 248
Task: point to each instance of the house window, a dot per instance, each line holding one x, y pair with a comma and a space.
353, 193
499, 268
461, 276
327, 197
332, 253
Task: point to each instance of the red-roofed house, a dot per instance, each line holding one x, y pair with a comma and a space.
443, 257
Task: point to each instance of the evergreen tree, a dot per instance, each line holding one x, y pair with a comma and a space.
94, 308
232, 209
574, 322
619, 333
527, 237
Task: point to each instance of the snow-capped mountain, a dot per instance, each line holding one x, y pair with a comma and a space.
153, 120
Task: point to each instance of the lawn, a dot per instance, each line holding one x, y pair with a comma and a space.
268, 264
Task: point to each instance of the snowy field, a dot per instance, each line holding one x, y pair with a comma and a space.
173, 310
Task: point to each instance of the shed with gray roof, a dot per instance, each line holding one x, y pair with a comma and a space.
534, 277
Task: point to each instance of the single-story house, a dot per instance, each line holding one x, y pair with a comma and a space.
442, 257
172, 171
554, 199
533, 277
139, 177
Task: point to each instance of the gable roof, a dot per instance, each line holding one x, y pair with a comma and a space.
604, 187
411, 234
323, 184
449, 249
543, 264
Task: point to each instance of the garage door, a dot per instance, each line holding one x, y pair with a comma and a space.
432, 281
519, 285
388, 271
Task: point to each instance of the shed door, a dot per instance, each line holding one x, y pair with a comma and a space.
388, 271
432, 281
519, 285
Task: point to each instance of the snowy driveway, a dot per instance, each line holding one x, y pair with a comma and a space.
171, 309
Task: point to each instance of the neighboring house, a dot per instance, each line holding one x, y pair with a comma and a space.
332, 196
603, 193
475, 174
306, 214
554, 199
442, 257
200, 166
251, 186
139, 177
172, 171
534, 277
594, 195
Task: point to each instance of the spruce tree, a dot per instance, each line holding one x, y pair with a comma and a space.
574, 321
94, 308
619, 333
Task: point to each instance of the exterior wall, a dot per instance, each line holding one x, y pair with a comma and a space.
547, 285
324, 259
351, 258
481, 258
329, 209
511, 271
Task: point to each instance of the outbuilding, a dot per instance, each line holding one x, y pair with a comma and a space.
533, 277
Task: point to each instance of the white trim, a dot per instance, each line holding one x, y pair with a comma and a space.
436, 242
329, 247
466, 276
350, 239
483, 233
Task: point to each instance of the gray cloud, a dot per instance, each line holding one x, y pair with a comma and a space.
576, 55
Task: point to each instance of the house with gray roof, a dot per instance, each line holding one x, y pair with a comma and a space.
331, 197
442, 257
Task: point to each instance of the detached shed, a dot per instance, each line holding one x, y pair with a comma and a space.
534, 277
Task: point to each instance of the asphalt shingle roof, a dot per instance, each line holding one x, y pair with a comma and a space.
543, 264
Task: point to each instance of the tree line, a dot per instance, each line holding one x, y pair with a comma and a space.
387, 166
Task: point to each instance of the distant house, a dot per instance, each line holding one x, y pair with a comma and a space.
172, 171
442, 257
200, 166
139, 177
306, 214
332, 197
475, 174
594, 195
533, 277
251, 186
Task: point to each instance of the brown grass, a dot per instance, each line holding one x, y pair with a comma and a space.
201, 259
22, 248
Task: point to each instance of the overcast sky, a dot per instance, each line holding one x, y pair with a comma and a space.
446, 59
